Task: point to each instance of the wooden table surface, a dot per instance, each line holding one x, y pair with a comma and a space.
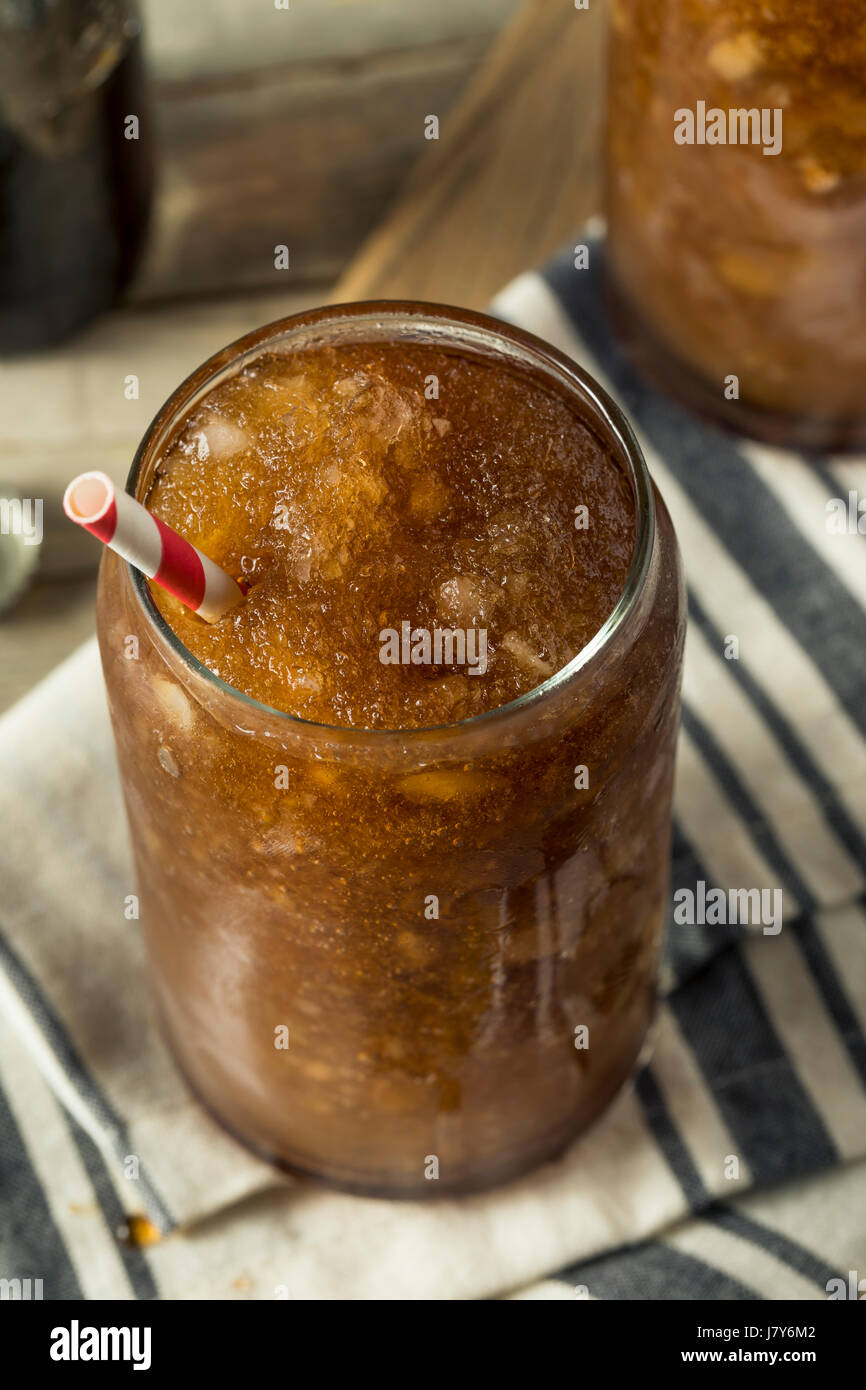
512, 175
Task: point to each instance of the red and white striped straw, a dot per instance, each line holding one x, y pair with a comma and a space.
92, 501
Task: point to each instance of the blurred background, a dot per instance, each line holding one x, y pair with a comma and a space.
259, 127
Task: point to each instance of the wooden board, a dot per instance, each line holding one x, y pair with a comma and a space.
306, 156
513, 175
196, 37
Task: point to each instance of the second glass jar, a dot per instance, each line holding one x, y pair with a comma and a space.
737, 242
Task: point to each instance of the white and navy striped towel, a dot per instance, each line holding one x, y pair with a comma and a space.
733, 1168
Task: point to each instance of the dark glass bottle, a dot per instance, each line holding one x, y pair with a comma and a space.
75, 163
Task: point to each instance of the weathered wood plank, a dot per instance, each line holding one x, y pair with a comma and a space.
302, 156
215, 36
513, 175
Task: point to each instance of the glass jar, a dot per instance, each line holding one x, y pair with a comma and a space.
419, 961
736, 205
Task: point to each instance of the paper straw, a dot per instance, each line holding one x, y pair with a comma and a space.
92, 501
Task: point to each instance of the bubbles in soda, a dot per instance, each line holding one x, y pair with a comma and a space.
355, 504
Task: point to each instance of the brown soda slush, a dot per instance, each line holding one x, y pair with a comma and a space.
401, 820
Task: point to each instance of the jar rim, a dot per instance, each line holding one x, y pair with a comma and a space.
468, 328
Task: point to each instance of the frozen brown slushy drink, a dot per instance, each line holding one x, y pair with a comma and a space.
401, 817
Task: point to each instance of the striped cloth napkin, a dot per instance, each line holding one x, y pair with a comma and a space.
733, 1168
